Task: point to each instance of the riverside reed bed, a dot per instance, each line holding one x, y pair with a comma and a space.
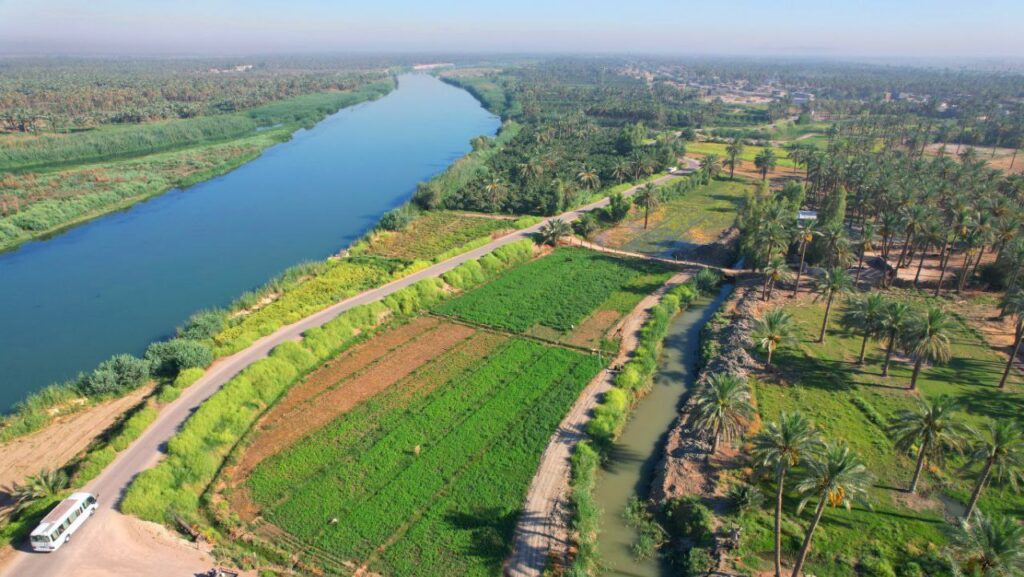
854, 403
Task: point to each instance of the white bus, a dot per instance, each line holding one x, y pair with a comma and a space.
59, 524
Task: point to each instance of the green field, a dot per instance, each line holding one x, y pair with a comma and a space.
749, 152
434, 233
692, 218
481, 435
853, 403
558, 291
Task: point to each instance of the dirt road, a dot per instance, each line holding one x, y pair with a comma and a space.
103, 546
542, 528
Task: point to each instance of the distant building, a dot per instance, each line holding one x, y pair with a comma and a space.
801, 97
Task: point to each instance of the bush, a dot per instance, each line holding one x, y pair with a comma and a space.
169, 358
698, 562
688, 519
116, 375
745, 497
395, 219
872, 566
204, 325
185, 378
706, 280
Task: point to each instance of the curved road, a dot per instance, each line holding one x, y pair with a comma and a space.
147, 450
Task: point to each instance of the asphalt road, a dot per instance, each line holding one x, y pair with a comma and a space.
148, 449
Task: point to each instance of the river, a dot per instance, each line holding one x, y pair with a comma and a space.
119, 282
629, 469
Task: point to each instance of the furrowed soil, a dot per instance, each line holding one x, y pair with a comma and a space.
353, 377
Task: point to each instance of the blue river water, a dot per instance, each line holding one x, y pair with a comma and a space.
117, 283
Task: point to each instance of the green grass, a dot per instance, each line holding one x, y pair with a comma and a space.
844, 399
557, 291
449, 510
434, 233
694, 217
749, 152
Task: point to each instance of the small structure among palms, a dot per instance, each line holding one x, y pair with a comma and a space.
721, 408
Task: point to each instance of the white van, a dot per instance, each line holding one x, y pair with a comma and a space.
59, 524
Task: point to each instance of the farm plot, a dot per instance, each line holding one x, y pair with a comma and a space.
358, 374
553, 295
409, 467
435, 233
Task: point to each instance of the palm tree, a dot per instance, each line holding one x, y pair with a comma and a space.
774, 329
806, 235
867, 239
837, 477
775, 271
732, 153
46, 483
836, 281
927, 339
1002, 452
621, 171
765, 161
721, 408
990, 546
495, 189
647, 197
1013, 303
933, 428
894, 322
778, 448
865, 314
710, 167
553, 230
588, 178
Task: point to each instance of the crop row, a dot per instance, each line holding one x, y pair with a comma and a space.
558, 291
468, 531
352, 435
356, 473
369, 525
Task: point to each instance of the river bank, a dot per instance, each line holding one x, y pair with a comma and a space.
302, 199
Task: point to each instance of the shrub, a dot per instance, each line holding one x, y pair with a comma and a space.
872, 566
698, 562
688, 519
395, 219
116, 375
745, 497
171, 357
706, 280
204, 325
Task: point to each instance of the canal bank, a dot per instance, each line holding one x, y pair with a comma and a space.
631, 464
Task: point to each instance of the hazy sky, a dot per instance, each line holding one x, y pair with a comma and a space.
919, 28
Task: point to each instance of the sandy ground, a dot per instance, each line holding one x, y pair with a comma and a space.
55, 445
126, 548
1001, 160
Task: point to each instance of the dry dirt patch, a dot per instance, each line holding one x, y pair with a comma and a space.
593, 329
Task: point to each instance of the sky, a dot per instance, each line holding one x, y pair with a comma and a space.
817, 28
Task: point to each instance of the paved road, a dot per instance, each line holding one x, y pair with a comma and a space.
148, 449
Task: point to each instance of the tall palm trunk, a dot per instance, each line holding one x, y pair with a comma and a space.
764, 288
647, 210
917, 371
977, 489
800, 269
963, 272
920, 466
824, 322
860, 267
778, 523
863, 348
942, 268
1019, 334
888, 353
807, 538
920, 264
